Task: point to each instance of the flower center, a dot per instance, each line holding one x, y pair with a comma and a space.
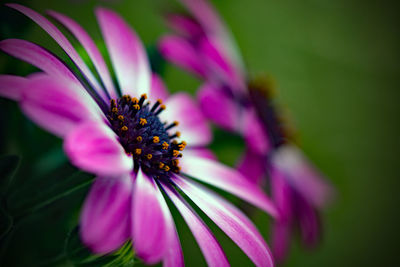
144, 136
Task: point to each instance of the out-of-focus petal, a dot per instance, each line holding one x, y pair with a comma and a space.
253, 166
180, 52
230, 180
57, 35
38, 57
94, 147
184, 25
199, 152
11, 86
57, 105
149, 226
126, 52
210, 247
231, 220
219, 107
281, 229
158, 89
309, 222
104, 223
90, 47
254, 133
192, 124
302, 175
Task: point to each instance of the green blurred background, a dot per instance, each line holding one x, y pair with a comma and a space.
336, 67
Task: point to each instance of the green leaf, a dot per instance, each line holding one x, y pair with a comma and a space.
76, 252
69, 185
8, 167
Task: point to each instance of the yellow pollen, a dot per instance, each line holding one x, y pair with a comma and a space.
156, 139
121, 118
138, 151
176, 123
165, 145
144, 96
175, 162
175, 142
177, 169
114, 110
143, 121
159, 101
166, 168
135, 100
149, 156
162, 106
161, 165
181, 147
139, 138
175, 153
178, 134
124, 128
136, 106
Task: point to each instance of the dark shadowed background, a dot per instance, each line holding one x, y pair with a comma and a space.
337, 71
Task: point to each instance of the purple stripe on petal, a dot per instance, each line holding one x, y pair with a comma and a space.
280, 240
11, 86
149, 229
158, 89
192, 124
127, 53
93, 147
210, 247
57, 35
91, 48
254, 134
219, 107
180, 52
184, 25
37, 56
104, 223
56, 104
228, 179
231, 220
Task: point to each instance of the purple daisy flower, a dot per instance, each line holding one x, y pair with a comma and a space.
130, 143
203, 45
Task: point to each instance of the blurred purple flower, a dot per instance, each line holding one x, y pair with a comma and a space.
128, 144
203, 45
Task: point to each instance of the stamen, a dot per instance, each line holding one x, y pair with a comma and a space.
138, 151
159, 102
135, 100
143, 97
162, 107
149, 156
166, 168
120, 117
161, 165
177, 134
175, 153
143, 121
114, 110
165, 145
175, 123
139, 138
156, 139
136, 106
124, 128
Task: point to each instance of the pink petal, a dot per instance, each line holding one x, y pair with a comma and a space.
231, 220
192, 124
254, 133
180, 52
219, 107
253, 166
281, 236
158, 89
57, 35
228, 179
309, 223
210, 247
38, 57
104, 223
11, 86
127, 53
199, 152
57, 105
302, 175
90, 47
93, 147
149, 226
216, 30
